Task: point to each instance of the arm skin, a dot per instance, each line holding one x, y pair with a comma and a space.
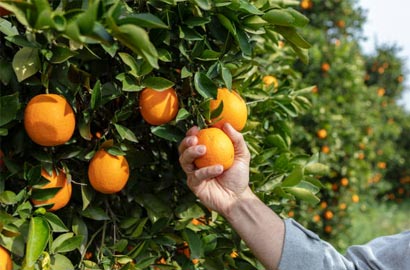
228, 193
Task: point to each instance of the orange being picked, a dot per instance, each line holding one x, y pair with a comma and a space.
5, 259
234, 109
158, 107
219, 148
62, 197
49, 120
107, 173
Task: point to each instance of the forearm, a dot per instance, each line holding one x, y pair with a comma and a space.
261, 229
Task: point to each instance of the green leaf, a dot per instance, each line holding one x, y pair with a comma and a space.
188, 212
79, 227
137, 40
244, 42
59, 262
8, 197
205, 86
66, 242
290, 34
9, 106
6, 73
95, 213
300, 19
276, 141
84, 127
168, 132
279, 17
57, 225
147, 20
130, 61
140, 228
37, 239
302, 194
254, 22
194, 243
182, 115
61, 54
126, 133
157, 83
227, 24
226, 76
96, 96
26, 63
7, 28
203, 4
294, 177
317, 169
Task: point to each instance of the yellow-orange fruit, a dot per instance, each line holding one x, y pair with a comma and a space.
62, 197
234, 109
108, 173
49, 120
219, 148
5, 260
321, 134
158, 107
269, 80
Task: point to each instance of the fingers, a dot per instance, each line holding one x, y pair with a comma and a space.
189, 140
241, 150
203, 174
188, 156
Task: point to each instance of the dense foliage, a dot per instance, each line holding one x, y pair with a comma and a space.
99, 55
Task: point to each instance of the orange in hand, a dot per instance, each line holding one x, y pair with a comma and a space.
158, 107
49, 120
219, 148
234, 109
108, 174
62, 197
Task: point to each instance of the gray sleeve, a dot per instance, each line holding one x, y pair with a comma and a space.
304, 249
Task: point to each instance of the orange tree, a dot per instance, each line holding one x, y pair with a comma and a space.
355, 123
101, 56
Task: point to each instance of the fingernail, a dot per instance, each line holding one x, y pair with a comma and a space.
189, 141
201, 149
219, 169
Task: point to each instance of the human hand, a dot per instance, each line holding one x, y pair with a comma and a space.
217, 189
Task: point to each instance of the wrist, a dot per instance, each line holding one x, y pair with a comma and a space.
240, 206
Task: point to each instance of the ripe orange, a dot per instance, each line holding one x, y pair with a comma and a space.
325, 67
306, 4
234, 109
49, 120
219, 148
321, 133
344, 181
158, 107
107, 173
5, 259
269, 80
328, 229
328, 214
355, 198
62, 197
381, 91
325, 149
381, 165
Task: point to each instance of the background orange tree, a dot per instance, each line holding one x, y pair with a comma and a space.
99, 55
355, 101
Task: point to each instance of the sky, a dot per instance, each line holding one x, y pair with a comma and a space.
387, 24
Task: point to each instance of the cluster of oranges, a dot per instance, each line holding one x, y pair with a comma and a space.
49, 120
